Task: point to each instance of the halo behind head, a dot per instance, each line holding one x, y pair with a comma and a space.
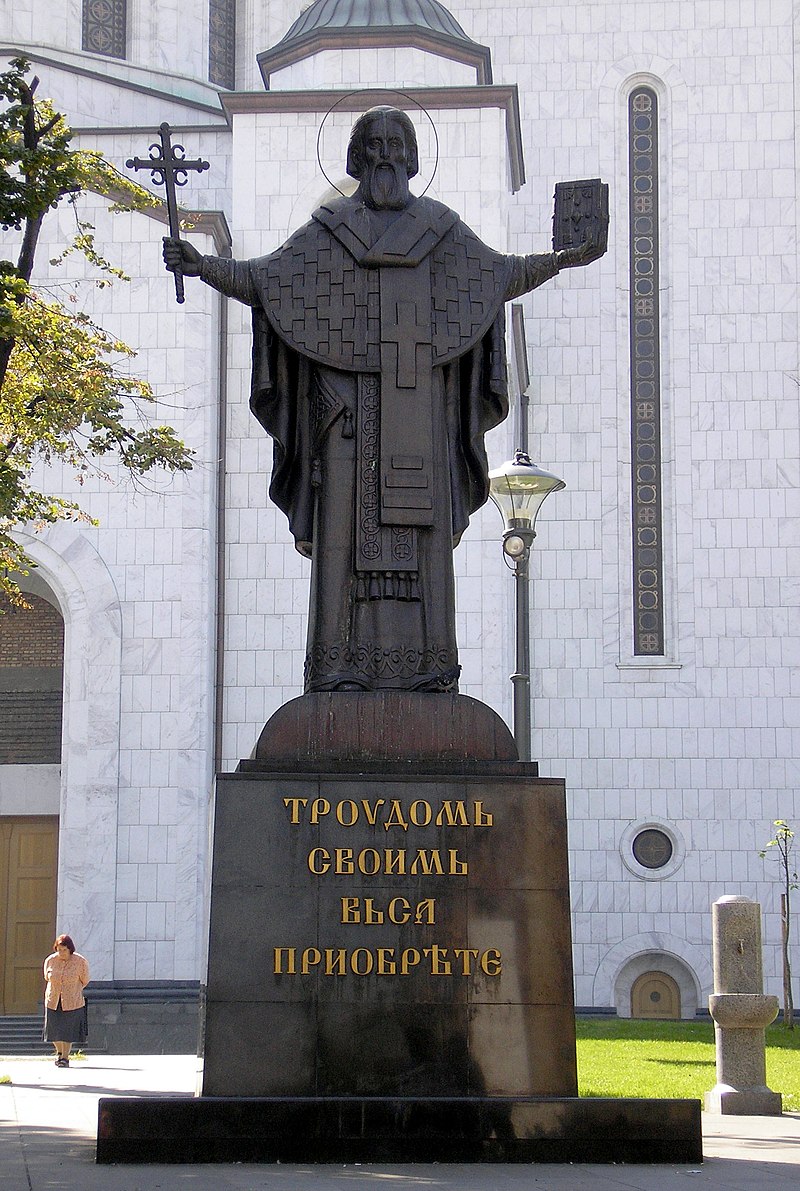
348, 97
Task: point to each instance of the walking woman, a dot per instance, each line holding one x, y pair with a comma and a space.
67, 974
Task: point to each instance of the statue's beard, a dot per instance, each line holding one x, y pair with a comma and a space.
385, 187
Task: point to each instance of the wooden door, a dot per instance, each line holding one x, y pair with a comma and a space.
28, 867
655, 994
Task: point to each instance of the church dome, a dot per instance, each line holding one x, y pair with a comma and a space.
374, 14
338, 24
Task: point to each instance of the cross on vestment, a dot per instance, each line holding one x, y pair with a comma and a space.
169, 170
407, 332
338, 315
406, 396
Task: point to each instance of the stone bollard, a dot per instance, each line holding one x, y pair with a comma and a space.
740, 1011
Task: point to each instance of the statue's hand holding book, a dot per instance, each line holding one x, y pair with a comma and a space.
580, 222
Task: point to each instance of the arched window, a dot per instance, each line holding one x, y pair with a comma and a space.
647, 546
105, 27
31, 683
222, 43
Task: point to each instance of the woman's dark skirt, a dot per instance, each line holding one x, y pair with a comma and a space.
65, 1025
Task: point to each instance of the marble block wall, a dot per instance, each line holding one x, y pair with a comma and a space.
704, 740
138, 597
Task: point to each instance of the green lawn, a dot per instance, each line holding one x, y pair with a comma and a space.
671, 1058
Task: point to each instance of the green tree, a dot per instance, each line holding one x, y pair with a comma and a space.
783, 843
64, 392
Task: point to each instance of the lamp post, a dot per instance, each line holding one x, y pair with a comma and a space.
519, 489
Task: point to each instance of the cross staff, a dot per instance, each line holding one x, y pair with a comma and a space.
169, 170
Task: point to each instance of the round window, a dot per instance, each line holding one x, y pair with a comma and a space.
652, 848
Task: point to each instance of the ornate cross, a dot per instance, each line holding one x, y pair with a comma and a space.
406, 329
169, 170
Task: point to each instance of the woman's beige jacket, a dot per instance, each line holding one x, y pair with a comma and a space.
65, 978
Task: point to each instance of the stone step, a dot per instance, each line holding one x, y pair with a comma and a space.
22, 1035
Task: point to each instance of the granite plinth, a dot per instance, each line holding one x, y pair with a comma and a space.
390, 980
744, 1102
387, 935
421, 1129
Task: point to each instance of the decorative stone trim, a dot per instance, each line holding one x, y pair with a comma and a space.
695, 958
469, 53
81, 582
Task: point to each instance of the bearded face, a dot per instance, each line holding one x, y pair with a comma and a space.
384, 181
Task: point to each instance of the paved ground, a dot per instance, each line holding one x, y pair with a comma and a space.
48, 1122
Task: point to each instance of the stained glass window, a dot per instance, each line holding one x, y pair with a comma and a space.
648, 564
222, 43
652, 848
104, 27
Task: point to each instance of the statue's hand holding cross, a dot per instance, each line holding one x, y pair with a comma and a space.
169, 167
181, 257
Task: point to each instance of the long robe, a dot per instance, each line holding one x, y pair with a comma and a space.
378, 367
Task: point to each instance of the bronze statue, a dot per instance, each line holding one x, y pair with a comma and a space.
378, 367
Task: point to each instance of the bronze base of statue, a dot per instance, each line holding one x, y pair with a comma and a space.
359, 726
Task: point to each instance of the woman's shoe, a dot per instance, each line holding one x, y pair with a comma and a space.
62, 1062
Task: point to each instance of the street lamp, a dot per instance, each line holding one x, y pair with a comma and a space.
519, 489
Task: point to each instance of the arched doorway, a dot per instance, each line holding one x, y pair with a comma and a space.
31, 697
655, 995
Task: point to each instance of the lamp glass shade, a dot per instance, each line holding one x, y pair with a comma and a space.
519, 489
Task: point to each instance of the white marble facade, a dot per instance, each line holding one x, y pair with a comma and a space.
702, 742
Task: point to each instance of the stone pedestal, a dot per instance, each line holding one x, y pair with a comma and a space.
390, 973
741, 1012
381, 935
